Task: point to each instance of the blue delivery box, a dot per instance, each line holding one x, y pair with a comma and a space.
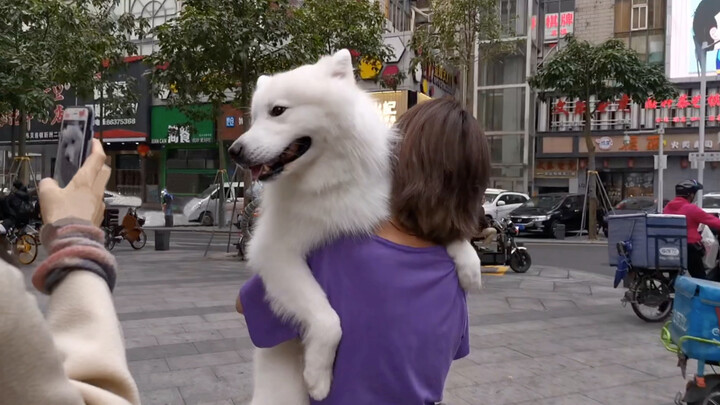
659, 241
696, 311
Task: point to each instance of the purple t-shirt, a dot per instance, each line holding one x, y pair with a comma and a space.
403, 314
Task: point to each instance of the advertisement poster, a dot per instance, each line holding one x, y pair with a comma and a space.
693, 22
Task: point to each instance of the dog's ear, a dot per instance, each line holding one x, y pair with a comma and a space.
340, 65
261, 81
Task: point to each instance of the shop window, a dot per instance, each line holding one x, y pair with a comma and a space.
502, 110
513, 17
507, 70
192, 159
639, 15
128, 178
188, 183
506, 149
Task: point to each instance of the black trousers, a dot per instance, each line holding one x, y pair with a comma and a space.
696, 268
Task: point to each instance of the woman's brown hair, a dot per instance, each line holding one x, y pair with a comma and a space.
441, 171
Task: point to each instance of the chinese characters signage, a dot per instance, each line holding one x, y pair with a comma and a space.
648, 143
120, 125
171, 126
556, 168
45, 131
390, 105
230, 123
558, 25
681, 111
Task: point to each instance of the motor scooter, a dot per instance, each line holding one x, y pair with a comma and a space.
507, 251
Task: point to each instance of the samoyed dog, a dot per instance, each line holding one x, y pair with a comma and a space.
324, 154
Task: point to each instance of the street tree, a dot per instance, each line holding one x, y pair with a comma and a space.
455, 27
598, 73
44, 43
216, 49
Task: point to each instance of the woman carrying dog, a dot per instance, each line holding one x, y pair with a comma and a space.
403, 313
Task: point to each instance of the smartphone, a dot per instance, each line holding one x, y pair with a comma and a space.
74, 142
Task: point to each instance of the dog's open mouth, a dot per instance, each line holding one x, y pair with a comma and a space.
268, 170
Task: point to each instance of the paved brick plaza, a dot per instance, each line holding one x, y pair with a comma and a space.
551, 336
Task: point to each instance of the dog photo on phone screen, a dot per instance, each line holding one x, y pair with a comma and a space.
71, 149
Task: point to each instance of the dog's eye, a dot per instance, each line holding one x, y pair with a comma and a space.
277, 111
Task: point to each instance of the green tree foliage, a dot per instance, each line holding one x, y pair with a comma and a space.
581, 70
450, 37
323, 27
216, 49
50, 42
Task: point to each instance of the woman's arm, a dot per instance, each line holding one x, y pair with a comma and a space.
265, 328
75, 357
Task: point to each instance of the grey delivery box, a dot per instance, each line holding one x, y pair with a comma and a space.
658, 241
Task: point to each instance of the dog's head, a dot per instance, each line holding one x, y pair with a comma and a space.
303, 116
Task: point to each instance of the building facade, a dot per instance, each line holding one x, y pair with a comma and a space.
503, 100
624, 131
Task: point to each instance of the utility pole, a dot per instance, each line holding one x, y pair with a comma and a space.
660, 162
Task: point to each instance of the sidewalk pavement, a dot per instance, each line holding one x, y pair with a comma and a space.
548, 337
569, 240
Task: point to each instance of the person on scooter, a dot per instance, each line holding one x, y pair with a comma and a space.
488, 234
16, 207
685, 192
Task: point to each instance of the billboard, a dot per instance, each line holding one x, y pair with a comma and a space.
692, 22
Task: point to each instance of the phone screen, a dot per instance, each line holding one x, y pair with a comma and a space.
74, 143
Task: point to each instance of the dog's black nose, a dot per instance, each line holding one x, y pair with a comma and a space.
235, 152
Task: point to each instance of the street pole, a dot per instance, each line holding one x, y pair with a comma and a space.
661, 169
701, 135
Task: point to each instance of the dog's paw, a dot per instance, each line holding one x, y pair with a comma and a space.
467, 265
470, 277
318, 380
320, 345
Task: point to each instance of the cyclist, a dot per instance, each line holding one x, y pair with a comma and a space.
16, 208
685, 192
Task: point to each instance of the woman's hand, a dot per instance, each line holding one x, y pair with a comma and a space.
238, 305
83, 197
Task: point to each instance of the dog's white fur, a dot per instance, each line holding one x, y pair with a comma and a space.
339, 186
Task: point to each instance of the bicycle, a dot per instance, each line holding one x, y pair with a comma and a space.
23, 243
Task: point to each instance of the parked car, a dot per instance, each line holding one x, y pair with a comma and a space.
499, 203
541, 213
115, 200
711, 203
205, 208
633, 205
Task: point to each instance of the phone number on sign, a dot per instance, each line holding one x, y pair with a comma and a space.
118, 121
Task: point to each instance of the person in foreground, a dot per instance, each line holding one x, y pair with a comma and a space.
75, 355
685, 192
403, 313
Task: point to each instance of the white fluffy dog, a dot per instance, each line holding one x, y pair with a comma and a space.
324, 153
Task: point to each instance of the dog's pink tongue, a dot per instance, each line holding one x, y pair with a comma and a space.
256, 170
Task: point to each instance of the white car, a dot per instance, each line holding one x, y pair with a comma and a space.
115, 200
711, 203
205, 208
499, 203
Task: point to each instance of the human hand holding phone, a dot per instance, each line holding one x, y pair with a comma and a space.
74, 144
82, 197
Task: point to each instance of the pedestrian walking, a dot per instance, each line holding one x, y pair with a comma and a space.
403, 313
75, 355
167, 208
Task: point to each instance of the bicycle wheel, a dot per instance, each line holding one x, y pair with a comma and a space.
653, 298
109, 239
140, 242
26, 249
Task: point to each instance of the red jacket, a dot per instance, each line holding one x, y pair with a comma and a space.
694, 216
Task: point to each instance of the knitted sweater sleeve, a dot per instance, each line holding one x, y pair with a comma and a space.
74, 356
